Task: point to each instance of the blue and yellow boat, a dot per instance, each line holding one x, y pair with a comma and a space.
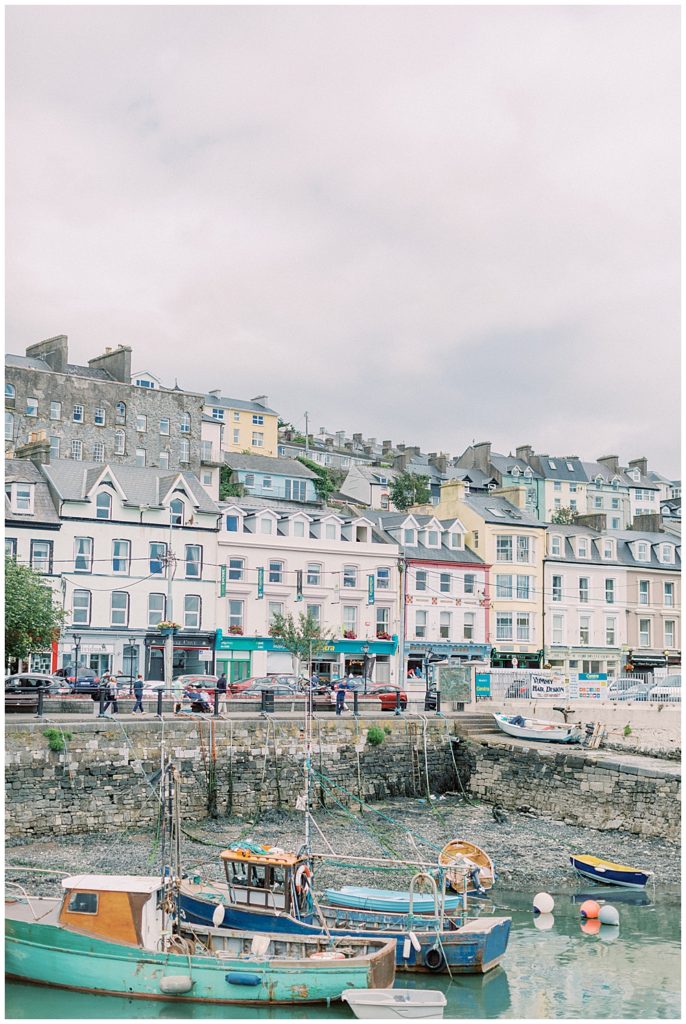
117, 935
608, 873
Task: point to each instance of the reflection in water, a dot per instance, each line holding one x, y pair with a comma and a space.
630, 971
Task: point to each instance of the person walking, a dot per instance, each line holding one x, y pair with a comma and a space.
110, 694
340, 697
138, 694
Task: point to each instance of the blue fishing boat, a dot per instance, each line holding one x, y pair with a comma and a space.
117, 935
359, 897
609, 873
269, 890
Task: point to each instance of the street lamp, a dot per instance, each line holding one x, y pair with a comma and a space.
77, 646
365, 652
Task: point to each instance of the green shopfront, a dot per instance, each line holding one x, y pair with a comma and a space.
243, 656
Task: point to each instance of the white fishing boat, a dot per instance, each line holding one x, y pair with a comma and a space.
537, 729
395, 1003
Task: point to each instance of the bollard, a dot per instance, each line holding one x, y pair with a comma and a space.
39, 710
356, 704
216, 703
438, 702
267, 705
101, 698
397, 702
159, 703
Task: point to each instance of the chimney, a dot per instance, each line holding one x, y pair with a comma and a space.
482, 455
340, 438
524, 452
414, 450
610, 461
357, 438
401, 461
328, 441
116, 362
439, 461
640, 464
37, 449
387, 445
651, 523
595, 520
371, 441
260, 400
400, 447
54, 351
217, 393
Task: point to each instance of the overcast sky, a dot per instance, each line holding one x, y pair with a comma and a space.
432, 224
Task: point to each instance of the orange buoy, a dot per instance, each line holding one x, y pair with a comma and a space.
591, 926
589, 909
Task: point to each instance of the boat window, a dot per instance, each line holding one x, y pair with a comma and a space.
239, 873
83, 903
258, 876
278, 879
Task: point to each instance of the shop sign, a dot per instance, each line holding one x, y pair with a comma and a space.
94, 648
482, 682
260, 582
588, 686
370, 589
222, 581
547, 686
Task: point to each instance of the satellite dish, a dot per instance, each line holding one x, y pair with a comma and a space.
218, 915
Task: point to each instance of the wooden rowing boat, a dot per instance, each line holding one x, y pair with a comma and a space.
467, 861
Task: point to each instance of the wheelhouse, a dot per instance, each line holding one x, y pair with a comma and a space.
268, 877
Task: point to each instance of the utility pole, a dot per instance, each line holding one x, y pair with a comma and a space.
169, 639
307, 433
402, 570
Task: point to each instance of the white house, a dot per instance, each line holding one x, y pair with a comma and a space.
337, 568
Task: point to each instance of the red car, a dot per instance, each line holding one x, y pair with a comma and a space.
388, 695
242, 684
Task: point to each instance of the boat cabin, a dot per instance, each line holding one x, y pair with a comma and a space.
268, 877
123, 908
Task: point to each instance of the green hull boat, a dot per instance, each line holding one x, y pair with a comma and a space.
56, 942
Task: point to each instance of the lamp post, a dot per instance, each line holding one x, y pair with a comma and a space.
365, 652
132, 641
77, 647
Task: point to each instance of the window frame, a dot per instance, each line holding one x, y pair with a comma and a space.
190, 614
188, 561
126, 609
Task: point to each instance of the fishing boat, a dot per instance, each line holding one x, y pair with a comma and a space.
269, 890
396, 1004
115, 935
609, 873
360, 897
468, 866
537, 729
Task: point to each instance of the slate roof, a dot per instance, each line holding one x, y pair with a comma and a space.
624, 555
44, 511
142, 485
268, 465
237, 403
390, 520
594, 469
561, 470
73, 369
251, 505
485, 504
506, 463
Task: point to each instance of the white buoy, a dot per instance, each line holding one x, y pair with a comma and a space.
218, 915
415, 941
544, 922
608, 915
543, 902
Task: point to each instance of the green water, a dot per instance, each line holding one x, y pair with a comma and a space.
632, 972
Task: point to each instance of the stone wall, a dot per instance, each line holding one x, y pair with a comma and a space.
579, 788
99, 782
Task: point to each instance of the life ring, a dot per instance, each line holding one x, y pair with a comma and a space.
302, 878
434, 959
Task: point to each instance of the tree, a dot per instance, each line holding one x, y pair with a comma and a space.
303, 638
328, 480
228, 488
565, 515
32, 621
410, 489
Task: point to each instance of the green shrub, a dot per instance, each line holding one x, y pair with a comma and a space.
387, 729
56, 739
375, 735
627, 730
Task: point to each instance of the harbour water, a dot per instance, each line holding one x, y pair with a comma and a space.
552, 969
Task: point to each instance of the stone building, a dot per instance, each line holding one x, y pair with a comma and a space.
95, 413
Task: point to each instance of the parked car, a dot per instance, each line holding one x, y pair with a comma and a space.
21, 690
628, 688
86, 680
243, 684
668, 689
297, 682
388, 695
204, 682
255, 692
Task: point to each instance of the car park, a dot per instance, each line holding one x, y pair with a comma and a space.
628, 688
667, 689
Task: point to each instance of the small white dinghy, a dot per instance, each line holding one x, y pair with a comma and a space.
395, 1003
537, 729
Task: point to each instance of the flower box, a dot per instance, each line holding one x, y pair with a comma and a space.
348, 634
236, 630
383, 636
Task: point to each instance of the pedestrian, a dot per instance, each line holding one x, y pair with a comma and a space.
138, 694
110, 694
340, 697
221, 683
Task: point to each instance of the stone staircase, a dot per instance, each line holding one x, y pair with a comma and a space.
476, 723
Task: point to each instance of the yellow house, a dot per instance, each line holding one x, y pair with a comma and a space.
245, 426
512, 544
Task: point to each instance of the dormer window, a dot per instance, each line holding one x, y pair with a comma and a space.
528, 471
516, 471
432, 539
266, 525
103, 505
599, 481
667, 553
177, 512
456, 540
643, 551
552, 464
409, 536
362, 534
330, 531
232, 523
608, 549
20, 497
582, 547
615, 482
570, 467
556, 544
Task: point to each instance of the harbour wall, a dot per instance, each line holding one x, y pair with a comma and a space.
103, 780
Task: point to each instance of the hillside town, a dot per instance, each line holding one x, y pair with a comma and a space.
140, 503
